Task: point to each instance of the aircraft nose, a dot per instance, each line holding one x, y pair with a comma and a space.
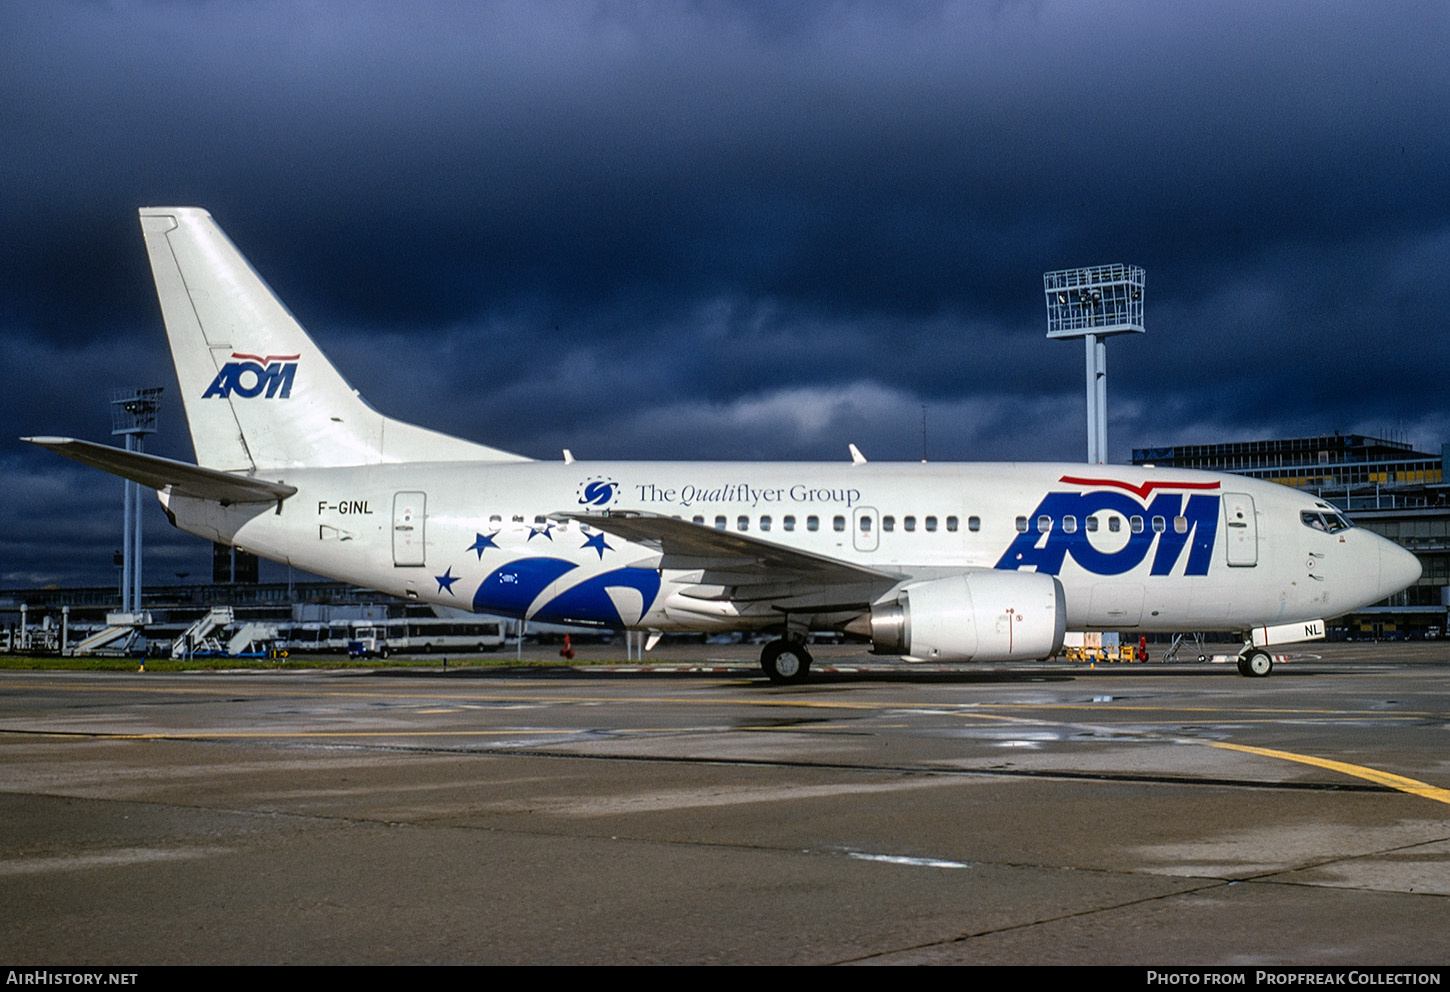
1398, 568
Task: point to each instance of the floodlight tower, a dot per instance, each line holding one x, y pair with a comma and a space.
133, 414
1092, 303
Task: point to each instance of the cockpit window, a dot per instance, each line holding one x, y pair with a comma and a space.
1330, 522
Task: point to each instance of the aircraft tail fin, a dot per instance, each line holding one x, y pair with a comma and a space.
258, 392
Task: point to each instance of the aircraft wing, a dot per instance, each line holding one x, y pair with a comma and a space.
164, 473
728, 556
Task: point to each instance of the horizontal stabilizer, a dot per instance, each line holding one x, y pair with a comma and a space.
164, 473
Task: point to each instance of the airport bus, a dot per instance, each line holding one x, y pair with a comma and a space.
426, 635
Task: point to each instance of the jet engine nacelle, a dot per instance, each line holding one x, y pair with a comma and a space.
974, 616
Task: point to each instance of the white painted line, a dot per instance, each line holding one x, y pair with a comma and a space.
901, 859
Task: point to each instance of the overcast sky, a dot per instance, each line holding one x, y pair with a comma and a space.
729, 230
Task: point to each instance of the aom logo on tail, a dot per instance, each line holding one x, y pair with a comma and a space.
254, 375
1109, 532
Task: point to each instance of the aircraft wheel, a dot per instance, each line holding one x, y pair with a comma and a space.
1256, 664
785, 662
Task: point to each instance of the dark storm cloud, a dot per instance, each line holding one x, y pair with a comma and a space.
750, 229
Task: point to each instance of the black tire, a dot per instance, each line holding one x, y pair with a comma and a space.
1256, 664
785, 662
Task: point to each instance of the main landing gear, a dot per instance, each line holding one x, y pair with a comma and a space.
1256, 663
785, 662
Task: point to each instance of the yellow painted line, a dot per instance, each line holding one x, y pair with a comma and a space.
456, 697
1396, 782
968, 711
1265, 710
186, 735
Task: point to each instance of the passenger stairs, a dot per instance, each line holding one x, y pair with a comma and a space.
203, 637
116, 638
251, 638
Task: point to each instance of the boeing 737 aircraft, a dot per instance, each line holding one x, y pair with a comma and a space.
942, 562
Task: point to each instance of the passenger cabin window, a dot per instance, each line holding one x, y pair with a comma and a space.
813, 522
865, 524
974, 524
1069, 524
838, 524
742, 522
1021, 525
1090, 525
765, 523
1180, 525
1159, 525
1115, 524
1044, 524
888, 524
951, 525
495, 519
720, 523
787, 522
909, 523
931, 523
1135, 524
697, 519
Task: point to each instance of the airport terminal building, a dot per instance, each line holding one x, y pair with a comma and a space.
1383, 485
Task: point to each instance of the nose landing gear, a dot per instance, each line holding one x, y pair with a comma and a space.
1256, 663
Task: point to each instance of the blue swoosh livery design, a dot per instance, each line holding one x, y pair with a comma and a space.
589, 602
511, 589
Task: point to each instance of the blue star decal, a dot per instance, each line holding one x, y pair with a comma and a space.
546, 529
446, 580
481, 541
596, 542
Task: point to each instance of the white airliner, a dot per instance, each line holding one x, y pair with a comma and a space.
941, 562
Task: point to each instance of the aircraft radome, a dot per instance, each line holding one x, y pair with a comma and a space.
942, 562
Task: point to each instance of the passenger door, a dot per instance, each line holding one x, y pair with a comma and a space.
1241, 533
409, 515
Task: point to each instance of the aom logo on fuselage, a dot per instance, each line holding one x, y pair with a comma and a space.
1109, 532
254, 375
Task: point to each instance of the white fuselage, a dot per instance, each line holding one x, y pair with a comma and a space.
1134, 548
